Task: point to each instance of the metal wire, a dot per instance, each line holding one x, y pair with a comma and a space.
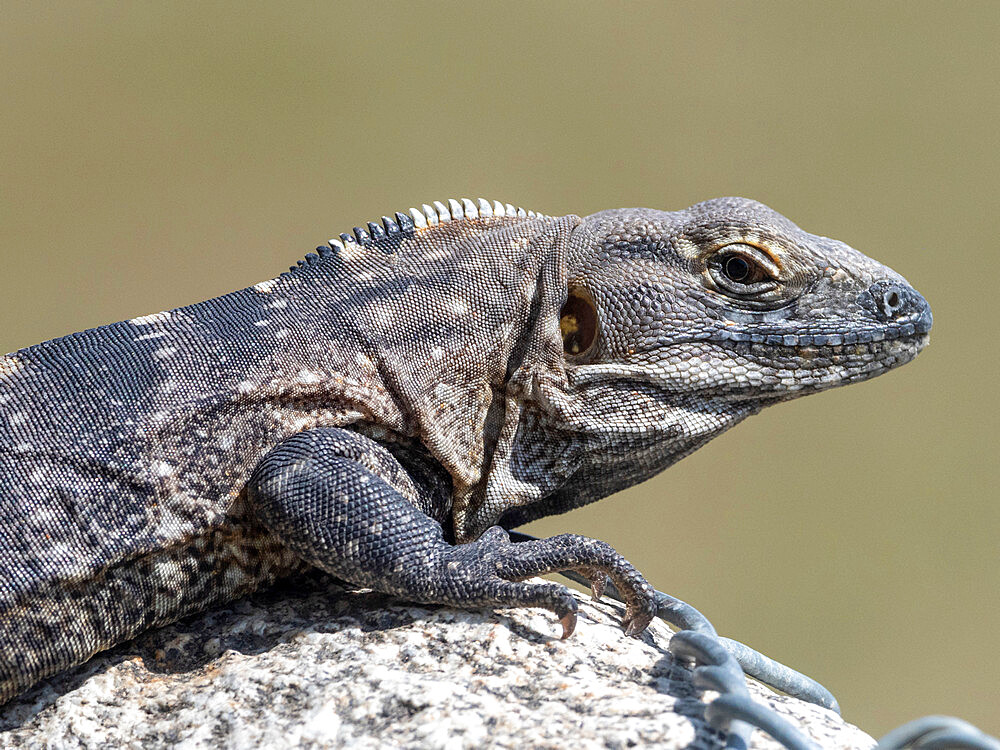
937, 733
720, 664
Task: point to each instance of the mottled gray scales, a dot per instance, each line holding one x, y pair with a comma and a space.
384, 408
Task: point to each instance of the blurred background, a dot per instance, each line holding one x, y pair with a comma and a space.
155, 155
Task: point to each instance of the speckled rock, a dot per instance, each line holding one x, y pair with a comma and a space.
310, 664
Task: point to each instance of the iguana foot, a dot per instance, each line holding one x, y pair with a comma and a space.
493, 568
596, 560
343, 503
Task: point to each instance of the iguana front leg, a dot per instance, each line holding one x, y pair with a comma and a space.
339, 500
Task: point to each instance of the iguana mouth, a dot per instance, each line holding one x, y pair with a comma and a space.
888, 326
788, 366
821, 338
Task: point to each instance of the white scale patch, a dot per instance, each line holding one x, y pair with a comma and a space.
351, 251
145, 320
165, 352
384, 318
10, 365
162, 469
309, 377
265, 287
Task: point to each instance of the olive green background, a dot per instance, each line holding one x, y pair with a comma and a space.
155, 155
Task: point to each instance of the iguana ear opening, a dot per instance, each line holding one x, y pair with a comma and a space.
578, 322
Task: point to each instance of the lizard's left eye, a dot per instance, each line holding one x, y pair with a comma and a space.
743, 270
737, 268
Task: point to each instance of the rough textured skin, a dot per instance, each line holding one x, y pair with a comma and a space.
379, 410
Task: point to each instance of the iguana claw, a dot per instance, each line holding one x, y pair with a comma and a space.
635, 622
568, 622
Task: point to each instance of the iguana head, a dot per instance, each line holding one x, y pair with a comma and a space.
677, 325
730, 300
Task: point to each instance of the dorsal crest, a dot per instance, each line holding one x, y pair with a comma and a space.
407, 223
430, 215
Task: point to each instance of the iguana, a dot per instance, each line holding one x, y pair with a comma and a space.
394, 403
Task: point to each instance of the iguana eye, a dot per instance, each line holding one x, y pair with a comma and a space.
743, 270
737, 268
578, 322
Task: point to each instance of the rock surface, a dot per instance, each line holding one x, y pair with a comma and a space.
310, 664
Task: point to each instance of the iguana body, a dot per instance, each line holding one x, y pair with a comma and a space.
380, 409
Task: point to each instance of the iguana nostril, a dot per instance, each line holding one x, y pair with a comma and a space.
891, 301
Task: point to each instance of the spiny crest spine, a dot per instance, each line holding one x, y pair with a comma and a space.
407, 223
429, 216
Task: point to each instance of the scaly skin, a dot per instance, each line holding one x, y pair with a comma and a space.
387, 408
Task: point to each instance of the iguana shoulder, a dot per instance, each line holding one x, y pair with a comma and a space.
148, 428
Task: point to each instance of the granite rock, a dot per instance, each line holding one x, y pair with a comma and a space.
311, 664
